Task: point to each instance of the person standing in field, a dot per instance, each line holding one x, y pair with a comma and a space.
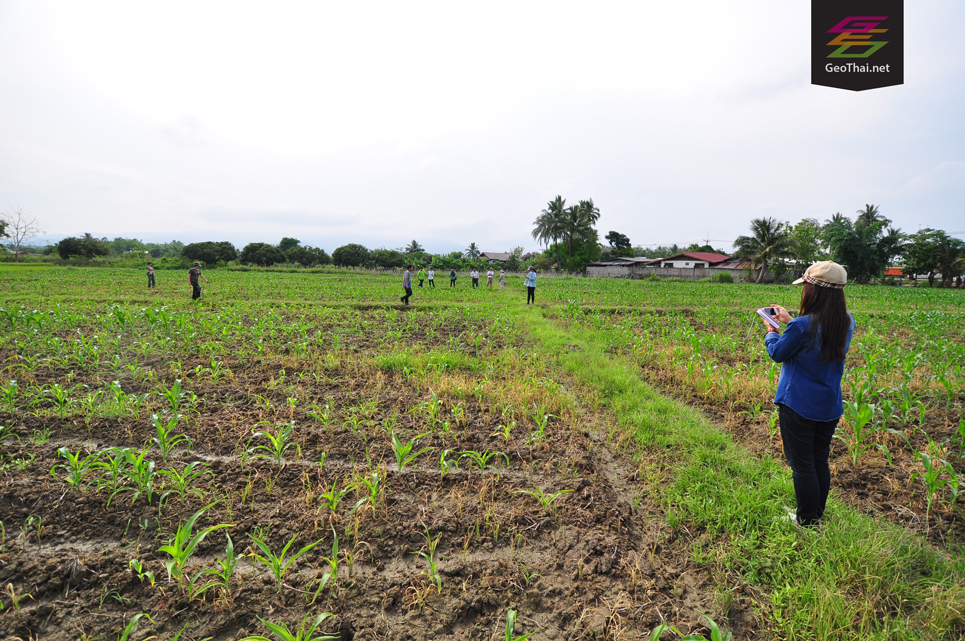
489, 278
407, 284
502, 279
530, 282
452, 278
193, 275
422, 277
432, 278
150, 275
809, 400
474, 275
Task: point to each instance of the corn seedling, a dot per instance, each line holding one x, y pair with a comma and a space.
306, 632
510, 629
138, 568
447, 465
8, 393
165, 440
15, 599
183, 544
934, 482
541, 418
129, 630
857, 438
545, 499
430, 558
333, 495
140, 472
182, 480
482, 459
715, 632
223, 573
278, 443
528, 576
332, 562
278, 563
403, 451
6, 431
372, 487
77, 468
505, 430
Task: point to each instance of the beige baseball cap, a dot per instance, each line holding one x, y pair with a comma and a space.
826, 273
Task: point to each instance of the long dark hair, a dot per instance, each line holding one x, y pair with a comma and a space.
828, 313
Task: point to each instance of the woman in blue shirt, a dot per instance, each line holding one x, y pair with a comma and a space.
812, 351
530, 282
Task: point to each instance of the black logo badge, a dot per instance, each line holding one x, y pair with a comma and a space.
857, 44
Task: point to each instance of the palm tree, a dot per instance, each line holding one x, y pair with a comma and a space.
869, 215
549, 224
414, 248
769, 241
472, 252
578, 222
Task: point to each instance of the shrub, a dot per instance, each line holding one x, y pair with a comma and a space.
722, 277
351, 255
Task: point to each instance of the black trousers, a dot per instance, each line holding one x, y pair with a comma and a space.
408, 293
452, 283
420, 282
475, 283
807, 445
432, 283
150, 280
530, 295
196, 291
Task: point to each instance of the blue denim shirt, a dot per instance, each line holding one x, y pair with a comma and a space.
530, 280
808, 386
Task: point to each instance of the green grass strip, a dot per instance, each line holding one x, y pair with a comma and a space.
860, 578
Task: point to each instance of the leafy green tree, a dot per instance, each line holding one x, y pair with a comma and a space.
472, 252
620, 243
120, 245
210, 252
578, 222
308, 256
261, 254
86, 246
515, 260
351, 255
388, 258
809, 243
932, 251
414, 248
288, 243
862, 246
769, 242
586, 249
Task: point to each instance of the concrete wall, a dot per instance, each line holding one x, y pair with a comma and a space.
685, 273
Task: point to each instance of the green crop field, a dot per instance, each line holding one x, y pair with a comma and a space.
299, 444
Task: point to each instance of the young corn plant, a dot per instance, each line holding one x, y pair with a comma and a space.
715, 632
447, 465
860, 419
140, 472
223, 572
278, 444
332, 497
429, 556
129, 630
182, 545
77, 468
482, 459
174, 396
280, 563
934, 481
370, 486
510, 629
540, 418
138, 568
181, 481
306, 632
545, 499
332, 575
8, 394
403, 451
165, 440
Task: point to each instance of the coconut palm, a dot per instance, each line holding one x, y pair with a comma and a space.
869, 216
769, 241
472, 252
548, 226
413, 248
578, 222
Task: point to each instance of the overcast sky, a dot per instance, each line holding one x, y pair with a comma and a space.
456, 122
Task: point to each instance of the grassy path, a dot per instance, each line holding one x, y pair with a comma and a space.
859, 579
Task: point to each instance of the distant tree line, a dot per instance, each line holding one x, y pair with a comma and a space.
866, 246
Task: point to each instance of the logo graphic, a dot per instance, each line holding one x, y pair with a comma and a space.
855, 31
857, 44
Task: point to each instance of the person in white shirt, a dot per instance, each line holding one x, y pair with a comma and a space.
489, 278
474, 275
432, 278
502, 279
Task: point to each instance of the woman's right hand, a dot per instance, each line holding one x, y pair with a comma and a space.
782, 314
